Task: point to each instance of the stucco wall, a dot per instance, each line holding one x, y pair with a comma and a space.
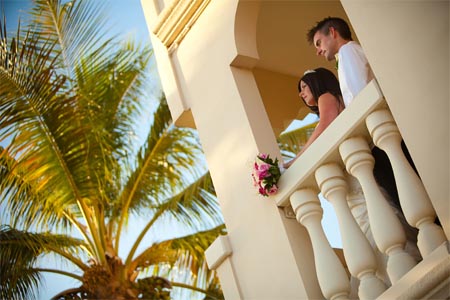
272, 256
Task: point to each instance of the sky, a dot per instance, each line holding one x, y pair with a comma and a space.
127, 19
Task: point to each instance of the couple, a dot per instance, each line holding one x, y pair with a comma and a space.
319, 88
328, 97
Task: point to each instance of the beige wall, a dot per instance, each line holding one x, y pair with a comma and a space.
410, 58
280, 96
233, 128
211, 74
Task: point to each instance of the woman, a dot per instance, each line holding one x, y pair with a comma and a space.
320, 91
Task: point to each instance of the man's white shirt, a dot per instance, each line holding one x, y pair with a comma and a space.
353, 70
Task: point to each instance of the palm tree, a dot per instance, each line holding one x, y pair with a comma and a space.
70, 102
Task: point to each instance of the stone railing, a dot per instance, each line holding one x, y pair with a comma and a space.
344, 149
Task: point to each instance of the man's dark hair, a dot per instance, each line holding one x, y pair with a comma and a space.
324, 26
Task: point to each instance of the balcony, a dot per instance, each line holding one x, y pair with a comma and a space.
339, 165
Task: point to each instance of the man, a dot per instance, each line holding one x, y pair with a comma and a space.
333, 40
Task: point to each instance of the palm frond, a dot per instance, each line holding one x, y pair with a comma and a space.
196, 206
168, 161
191, 257
19, 251
190, 270
28, 101
165, 164
184, 253
14, 189
19, 288
209, 293
109, 93
77, 28
214, 290
69, 294
290, 143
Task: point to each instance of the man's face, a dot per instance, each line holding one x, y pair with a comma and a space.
326, 44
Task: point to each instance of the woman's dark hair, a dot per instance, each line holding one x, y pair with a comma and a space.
321, 81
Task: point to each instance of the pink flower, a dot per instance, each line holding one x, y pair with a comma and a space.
265, 175
263, 156
262, 175
264, 167
263, 171
273, 190
262, 191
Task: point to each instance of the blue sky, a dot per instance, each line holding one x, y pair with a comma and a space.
126, 16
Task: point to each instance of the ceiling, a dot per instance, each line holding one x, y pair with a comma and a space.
281, 34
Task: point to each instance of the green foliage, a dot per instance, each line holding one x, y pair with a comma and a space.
19, 252
154, 288
71, 102
291, 142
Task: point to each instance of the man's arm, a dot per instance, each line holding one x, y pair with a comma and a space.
355, 69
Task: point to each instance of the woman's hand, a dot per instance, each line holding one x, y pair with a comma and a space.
287, 164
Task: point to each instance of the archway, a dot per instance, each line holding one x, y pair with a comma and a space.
271, 41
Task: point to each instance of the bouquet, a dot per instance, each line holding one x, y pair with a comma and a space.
266, 173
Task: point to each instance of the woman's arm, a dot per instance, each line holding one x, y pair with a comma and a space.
328, 110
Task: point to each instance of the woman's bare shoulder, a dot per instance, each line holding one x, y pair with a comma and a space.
328, 98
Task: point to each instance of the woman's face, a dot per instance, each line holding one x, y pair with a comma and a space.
305, 93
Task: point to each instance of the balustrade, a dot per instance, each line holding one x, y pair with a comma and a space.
367, 222
414, 200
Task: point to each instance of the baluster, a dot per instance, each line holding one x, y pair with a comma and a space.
414, 200
358, 253
358, 207
386, 228
332, 277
